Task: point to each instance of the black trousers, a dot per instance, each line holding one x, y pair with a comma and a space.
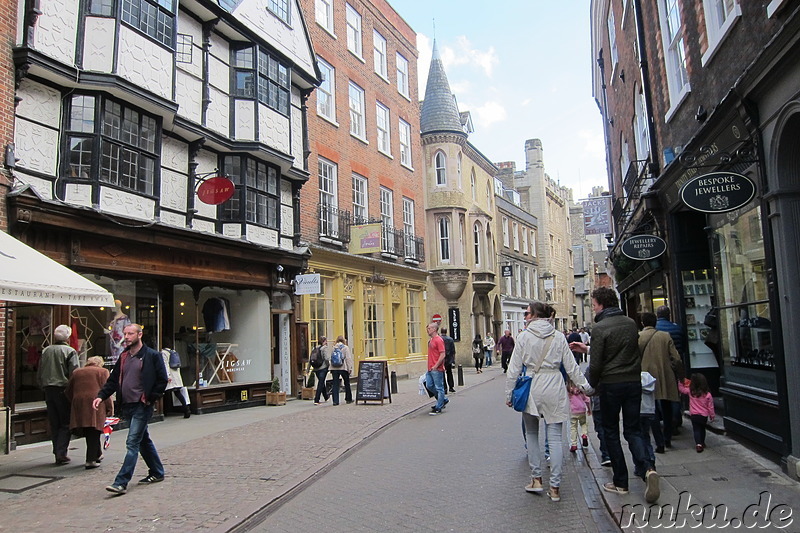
448, 372
58, 416
506, 357
93, 448
699, 428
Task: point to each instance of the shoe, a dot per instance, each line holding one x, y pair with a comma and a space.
63, 460
610, 487
668, 444
653, 491
150, 479
535, 486
573, 449
91, 464
606, 462
317, 403
555, 494
336, 404
99, 459
117, 489
187, 412
451, 390
660, 449
700, 448
585, 441
348, 401
435, 412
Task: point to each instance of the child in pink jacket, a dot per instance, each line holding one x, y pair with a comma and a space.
579, 407
701, 407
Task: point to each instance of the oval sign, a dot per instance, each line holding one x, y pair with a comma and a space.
644, 247
216, 190
718, 192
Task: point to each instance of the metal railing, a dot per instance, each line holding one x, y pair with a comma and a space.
334, 223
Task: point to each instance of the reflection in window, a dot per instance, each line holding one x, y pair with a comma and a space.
256, 188
414, 312
374, 336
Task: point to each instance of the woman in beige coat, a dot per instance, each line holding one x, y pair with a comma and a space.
84, 419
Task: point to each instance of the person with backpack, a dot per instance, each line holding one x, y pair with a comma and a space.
341, 367
319, 362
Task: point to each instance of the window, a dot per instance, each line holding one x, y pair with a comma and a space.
326, 92
360, 204
414, 316
720, 18
270, 86
324, 14
506, 239
675, 56
353, 30
533, 243
612, 38
382, 124
476, 242
405, 143
490, 256
127, 141
379, 57
280, 8
515, 235
444, 239
257, 188
524, 276
458, 169
320, 322
462, 238
552, 246
641, 130
524, 241
441, 168
103, 8
387, 207
473, 186
328, 200
357, 122
373, 321
408, 227
183, 49
154, 19
402, 75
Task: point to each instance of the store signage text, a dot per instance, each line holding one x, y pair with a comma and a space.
216, 190
507, 270
718, 192
307, 284
644, 247
454, 319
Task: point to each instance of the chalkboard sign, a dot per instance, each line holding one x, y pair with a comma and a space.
373, 381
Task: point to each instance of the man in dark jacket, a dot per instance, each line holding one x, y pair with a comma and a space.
615, 367
449, 359
665, 323
139, 379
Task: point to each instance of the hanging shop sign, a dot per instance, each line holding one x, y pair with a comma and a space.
365, 238
307, 284
216, 190
718, 192
454, 319
507, 271
597, 215
644, 247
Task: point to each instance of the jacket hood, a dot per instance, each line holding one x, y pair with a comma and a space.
541, 328
648, 382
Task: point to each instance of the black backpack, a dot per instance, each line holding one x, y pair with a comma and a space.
316, 359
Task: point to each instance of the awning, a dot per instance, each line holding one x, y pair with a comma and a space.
30, 276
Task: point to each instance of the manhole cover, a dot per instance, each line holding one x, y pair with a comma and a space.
16, 483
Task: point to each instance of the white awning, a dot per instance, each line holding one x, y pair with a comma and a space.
30, 276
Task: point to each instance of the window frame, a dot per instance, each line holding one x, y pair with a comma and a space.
360, 205
327, 22
675, 58
161, 29
404, 133
717, 30
281, 9
328, 187
477, 231
249, 192
402, 75
380, 55
444, 233
357, 116
270, 86
386, 203
328, 89
383, 127
440, 166
354, 31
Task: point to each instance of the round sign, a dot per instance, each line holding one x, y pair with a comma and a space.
718, 192
216, 190
436, 318
644, 247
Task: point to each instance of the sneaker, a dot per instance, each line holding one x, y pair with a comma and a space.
435, 412
535, 486
91, 464
585, 441
653, 491
117, 489
555, 494
610, 487
150, 479
700, 448
452, 390
63, 460
606, 462
573, 449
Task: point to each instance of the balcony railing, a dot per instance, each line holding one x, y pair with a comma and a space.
334, 223
635, 183
414, 248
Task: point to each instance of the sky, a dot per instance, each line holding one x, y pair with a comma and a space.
523, 70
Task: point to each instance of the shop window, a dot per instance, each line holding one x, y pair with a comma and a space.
414, 313
321, 314
257, 74
374, 322
257, 192
33, 327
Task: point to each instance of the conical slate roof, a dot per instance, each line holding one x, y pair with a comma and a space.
439, 110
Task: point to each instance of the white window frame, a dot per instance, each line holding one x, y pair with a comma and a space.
612, 41
360, 198
387, 207
408, 226
440, 167
674, 54
326, 92
358, 125
354, 40
328, 194
515, 235
477, 231
401, 64
380, 60
324, 15
443, 229
721, 15
533, 243
473, 186
506, 239
404, 131
642, 138
383, 129
524, 241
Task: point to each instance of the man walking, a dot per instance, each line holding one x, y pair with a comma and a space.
506, 347
56, 365
664, 323
615, 369
139, 379
449, 359
434, 379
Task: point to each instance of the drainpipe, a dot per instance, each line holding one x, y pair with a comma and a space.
644, 71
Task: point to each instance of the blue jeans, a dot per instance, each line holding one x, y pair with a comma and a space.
553, 435
434, 379
348, 392
648, 422
626, 398
322, 373
138, 415
488, 358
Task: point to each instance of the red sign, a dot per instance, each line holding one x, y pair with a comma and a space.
215, 191
436, 318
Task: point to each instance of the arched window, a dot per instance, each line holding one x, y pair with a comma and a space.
444, 240
476, 239
441, 168
489, 249
473, 185
459, 170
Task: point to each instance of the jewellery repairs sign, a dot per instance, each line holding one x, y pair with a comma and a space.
644, 247
718, 192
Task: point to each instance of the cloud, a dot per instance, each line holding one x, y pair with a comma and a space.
488, 113
464, 54
593, 143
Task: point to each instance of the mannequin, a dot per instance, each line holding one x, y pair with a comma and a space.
116, 340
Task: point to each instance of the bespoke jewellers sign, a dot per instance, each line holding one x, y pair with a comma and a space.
718, 192
644, 247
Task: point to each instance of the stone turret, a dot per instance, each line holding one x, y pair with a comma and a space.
439, 110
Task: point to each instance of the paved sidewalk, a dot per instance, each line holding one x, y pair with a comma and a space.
220, 468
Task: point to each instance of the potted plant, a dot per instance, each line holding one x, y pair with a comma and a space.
307, 392
275, 396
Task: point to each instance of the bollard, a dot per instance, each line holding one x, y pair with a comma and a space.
393, 380
460, 376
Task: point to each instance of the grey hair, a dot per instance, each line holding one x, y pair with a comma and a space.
62, 333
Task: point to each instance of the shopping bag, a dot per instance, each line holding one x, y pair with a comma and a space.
519, 396
107, 430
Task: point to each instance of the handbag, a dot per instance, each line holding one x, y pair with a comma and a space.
522, 388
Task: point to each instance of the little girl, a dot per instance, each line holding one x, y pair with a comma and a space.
701, 407
579, 406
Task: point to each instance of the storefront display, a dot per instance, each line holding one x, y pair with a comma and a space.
698, 297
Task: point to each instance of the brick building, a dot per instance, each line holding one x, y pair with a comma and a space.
702, 120
366, 184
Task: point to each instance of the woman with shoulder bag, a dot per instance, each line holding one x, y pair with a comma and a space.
543, 352
477, 353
